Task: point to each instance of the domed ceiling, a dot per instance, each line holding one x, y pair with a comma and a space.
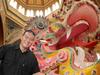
36, 4
32, 8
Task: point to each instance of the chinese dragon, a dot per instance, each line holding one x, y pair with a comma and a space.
64, 48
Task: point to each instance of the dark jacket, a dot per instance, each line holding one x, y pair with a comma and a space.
14, 62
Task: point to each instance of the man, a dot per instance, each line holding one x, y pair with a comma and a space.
16, 59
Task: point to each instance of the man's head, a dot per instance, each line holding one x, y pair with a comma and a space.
27, 39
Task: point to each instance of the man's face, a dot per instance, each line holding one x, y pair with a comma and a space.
27, 39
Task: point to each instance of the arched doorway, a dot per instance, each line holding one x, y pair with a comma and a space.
1, 31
